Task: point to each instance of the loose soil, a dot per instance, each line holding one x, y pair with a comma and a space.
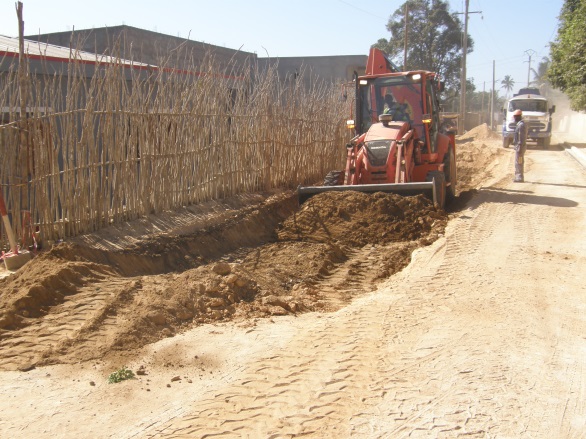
107, 294
254, 317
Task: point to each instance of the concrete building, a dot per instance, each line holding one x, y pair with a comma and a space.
330, 68
143, 45
49, 62
165, 50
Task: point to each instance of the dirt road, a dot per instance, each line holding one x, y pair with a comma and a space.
482, 335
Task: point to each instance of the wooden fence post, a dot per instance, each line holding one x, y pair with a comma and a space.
24, 153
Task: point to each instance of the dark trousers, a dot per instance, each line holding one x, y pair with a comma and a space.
519, 163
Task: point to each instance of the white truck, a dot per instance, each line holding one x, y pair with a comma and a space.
536, 114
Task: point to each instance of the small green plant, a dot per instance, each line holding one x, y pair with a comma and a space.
120, 375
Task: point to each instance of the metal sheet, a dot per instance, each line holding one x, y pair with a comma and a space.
426, 188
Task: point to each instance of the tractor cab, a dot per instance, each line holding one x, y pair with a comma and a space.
408, 97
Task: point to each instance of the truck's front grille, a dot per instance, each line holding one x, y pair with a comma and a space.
534, 125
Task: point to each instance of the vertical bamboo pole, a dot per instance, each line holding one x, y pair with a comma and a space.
26, 167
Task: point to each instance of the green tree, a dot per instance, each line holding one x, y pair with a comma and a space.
508, 83
473, 97
567, 70
434, 39
477, 101
540, 76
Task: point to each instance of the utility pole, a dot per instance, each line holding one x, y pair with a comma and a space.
405, 43
482, 100
530, 53
492, 99
463, 74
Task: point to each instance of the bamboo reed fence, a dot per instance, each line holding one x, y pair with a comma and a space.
129, 141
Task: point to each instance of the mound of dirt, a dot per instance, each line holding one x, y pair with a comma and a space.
477, 152
106, 294
356, 219
45, 283
480, 133
120, 300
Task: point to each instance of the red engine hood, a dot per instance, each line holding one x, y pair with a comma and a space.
392, 131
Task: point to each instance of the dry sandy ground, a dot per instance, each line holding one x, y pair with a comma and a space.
283, 329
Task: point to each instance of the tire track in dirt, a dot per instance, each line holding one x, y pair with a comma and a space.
359, 273
456, 345
288, 395
530, 347
348, 352
432, 402
561, 413
65, 321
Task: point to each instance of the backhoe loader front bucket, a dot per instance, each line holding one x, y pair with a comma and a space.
427, 188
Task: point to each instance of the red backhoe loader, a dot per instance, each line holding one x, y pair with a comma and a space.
399, 145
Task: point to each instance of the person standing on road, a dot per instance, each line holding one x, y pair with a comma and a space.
520, 145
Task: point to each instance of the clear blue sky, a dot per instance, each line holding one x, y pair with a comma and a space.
503, 32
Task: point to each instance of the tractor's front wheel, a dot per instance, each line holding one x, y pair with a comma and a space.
334, 178
451, 175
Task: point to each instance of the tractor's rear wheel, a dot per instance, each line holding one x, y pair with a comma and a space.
439, 185
451, 175
334, 178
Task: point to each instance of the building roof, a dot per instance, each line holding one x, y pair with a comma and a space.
9, 47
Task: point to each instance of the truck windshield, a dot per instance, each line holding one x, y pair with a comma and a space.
396, 95
536, 105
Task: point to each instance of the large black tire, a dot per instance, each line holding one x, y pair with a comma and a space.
439, 182
451, 175
334, 178
547, 142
